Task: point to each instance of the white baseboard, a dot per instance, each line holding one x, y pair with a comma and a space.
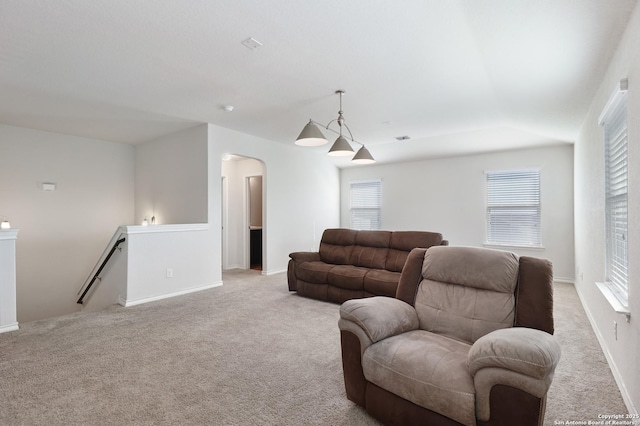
9, 327
128, 303
277, 271
564, 280
614, 368
231, 267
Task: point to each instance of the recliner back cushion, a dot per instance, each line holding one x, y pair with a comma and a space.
402, 242
370, 249
336, 246
467, 292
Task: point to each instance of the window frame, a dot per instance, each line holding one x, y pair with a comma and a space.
614, 121
493, 237
376, 207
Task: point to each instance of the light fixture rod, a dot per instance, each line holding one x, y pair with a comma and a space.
337, 133
340, 120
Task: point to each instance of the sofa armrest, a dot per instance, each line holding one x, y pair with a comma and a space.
305, 256
522, 358
376, 318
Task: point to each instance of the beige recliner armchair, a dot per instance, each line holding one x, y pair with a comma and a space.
467, 340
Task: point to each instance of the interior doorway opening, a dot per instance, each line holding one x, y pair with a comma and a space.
243, 213
254, 207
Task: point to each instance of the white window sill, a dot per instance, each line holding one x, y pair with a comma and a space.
614, 300
513, 246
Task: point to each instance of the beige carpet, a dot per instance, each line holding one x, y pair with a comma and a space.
246, 353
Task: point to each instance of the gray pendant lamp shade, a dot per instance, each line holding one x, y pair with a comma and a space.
340, 147
311, 136
363, 156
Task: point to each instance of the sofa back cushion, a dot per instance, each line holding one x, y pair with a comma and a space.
370, 249
336, 246
467, 292
402, 242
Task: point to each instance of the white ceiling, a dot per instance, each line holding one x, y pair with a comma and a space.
457, 76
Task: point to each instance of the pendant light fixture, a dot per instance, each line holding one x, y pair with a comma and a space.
312, 136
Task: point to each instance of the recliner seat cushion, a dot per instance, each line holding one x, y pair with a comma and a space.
381, 282
427, 369
347, 276
314, 272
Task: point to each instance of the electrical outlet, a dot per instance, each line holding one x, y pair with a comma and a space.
615, 330
169, 273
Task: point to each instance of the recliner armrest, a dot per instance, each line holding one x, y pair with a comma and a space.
305, 256
523, 358
378, 317
523, 350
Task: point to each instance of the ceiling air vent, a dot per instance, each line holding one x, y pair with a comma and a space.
251, 43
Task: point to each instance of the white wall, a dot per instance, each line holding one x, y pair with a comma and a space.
590, 218
171, 178
62, 233
236, 237
301, 195
448, 195
153, 250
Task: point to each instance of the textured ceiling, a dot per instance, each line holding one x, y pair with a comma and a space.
456, 76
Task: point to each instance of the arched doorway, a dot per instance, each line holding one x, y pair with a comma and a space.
243, 213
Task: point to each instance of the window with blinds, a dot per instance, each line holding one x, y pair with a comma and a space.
513, 208
366, 204
614, 121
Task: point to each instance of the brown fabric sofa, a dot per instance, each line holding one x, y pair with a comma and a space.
467, 341
354, 264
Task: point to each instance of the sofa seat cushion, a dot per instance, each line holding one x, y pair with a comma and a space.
347, 276
314, 272
381, 282
427, 369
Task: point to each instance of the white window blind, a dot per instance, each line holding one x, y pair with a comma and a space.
366, 204
513, 208
614, 122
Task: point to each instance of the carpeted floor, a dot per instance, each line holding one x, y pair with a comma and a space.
246, 353
583, 386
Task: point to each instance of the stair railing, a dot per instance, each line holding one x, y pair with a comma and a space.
117, 239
